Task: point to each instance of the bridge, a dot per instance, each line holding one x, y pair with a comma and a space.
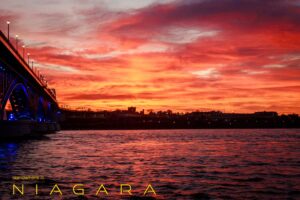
27, 105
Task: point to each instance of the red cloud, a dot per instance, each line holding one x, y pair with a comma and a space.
239, 56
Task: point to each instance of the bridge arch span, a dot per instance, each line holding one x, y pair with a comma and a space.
18, 96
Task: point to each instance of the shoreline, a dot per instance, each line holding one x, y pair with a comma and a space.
178, 129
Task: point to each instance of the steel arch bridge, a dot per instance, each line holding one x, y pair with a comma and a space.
28, 95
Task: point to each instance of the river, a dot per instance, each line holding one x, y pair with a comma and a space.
178, 164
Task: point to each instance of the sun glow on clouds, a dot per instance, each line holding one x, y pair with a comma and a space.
274, 66
146, 48
171, 54
59, 68
182, 35
210, 73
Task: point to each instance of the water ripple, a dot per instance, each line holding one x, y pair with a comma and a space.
179, 164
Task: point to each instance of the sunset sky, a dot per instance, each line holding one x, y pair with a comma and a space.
227, 55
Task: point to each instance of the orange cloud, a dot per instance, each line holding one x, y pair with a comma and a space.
183, 55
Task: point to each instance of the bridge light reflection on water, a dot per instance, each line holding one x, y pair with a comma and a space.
8, 154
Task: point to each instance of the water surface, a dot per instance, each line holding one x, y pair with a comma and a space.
179, 164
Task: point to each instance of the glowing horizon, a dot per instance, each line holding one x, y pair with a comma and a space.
170, 54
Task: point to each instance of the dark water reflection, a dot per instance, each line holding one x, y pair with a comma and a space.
179, 164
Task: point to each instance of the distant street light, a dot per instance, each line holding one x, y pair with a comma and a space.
8, 22
28, 54
17, 42
23, 51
